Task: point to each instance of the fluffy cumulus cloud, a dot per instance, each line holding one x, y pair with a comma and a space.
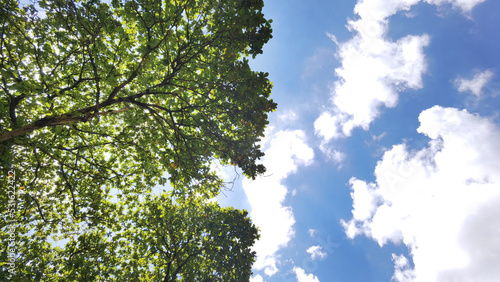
375, 68
475, 84
441, 201
316, 252
302, 276
286, 152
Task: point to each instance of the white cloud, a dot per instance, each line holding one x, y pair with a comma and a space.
332, 38
441, 201
326, 126
465, 5
302, 276
312, 232
336, 156
257, 278
379, 137
288, 116
316, 252
382, 9
287, 151
365, 199
476, 84
402, 269
374, 68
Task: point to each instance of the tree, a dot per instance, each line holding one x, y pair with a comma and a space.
159, 239
160, 82
100, 102
97, 98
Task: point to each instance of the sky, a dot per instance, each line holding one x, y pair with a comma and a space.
383, 158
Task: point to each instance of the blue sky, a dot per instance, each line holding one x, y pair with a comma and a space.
384, 155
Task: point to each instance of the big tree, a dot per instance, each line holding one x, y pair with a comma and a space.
135, 88
98, 97
100, 101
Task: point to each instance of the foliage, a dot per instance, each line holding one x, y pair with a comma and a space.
118, 95
158, 239
103, 100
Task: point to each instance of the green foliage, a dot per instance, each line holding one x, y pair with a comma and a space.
100, 99
158, 239
193, 239
157, 85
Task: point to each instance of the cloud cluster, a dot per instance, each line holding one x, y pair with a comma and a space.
374, 68
287, 151
441, 201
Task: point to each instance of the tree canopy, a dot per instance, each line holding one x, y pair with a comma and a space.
105, 93
157, 239
100, 102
